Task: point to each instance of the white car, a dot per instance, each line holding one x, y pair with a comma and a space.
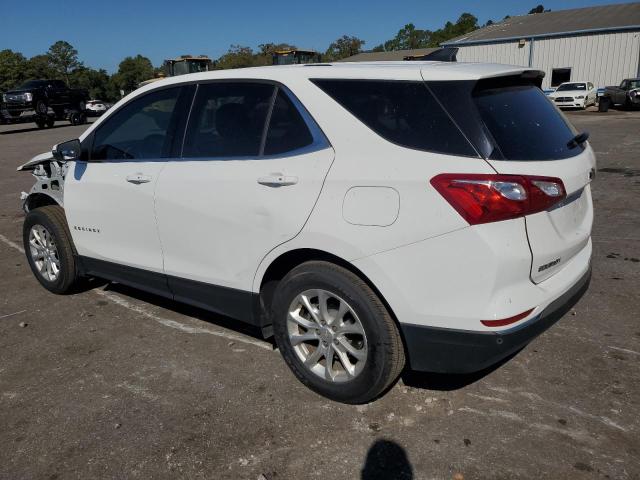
366, 215
96, 107
575, 95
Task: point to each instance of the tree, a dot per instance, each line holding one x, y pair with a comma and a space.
38, 66
132, 71
236, 57
12, 69
344, 47
63, 58
96, 82
538, 9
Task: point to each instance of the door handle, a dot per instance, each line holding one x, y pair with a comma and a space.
277, 180
138, 178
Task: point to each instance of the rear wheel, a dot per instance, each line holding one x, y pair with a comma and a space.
335, 334
40, 123
49, 248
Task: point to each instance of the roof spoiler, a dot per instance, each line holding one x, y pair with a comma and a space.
446, 54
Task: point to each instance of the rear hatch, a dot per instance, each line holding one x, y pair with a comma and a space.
520, 131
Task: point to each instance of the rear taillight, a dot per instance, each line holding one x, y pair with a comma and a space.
481, 198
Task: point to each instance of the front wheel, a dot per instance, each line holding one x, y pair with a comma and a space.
335, 334
41, 107
49, 248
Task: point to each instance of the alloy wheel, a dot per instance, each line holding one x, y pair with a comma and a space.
327, 335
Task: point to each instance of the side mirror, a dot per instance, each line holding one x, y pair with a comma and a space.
67, 151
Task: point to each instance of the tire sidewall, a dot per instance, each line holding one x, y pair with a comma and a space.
60, 285
377, 364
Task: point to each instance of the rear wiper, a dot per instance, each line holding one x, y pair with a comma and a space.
579, 139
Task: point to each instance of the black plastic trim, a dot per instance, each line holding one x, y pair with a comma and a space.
238, 304
443, 350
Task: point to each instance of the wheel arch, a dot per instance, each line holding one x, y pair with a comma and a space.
39, 199
290, 259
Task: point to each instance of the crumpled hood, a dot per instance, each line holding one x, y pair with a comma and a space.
38, 159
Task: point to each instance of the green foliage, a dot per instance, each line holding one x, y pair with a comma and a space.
343, 47
236, 57
96, 82
132, 71
63, 58
409, 37
39, 66
12, 69
538, 9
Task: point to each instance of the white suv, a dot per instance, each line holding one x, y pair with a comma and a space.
365, 215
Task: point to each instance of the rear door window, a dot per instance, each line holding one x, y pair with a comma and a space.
402, 112
227, 120
287, 129
525, 124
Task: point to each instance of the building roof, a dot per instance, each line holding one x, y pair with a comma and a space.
624, 16
387, 56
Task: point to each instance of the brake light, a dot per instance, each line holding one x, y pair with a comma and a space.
485, 198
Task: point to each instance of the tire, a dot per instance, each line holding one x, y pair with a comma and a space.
379, 350
40, 123
604, 104
61, 251
74, 118
51, 122
41, 107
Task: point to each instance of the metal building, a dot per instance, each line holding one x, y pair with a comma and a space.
596, 44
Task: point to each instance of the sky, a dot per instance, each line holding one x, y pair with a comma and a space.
104, 32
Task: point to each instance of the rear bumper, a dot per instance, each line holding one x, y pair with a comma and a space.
443, 350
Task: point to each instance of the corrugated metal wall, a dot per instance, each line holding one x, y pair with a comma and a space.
604, 59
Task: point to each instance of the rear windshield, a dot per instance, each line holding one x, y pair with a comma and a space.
525, 124
404, 113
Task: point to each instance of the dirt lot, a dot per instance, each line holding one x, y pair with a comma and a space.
112, 383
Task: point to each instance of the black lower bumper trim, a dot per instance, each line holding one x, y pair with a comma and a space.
443, 350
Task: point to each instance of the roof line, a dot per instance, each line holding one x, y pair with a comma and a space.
541, 35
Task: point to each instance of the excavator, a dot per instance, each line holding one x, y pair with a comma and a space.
182, 65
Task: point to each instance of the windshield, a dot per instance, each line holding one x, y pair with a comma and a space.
34, 84
572, 86
525, 124
629, 84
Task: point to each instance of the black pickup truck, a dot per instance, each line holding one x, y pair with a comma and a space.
41, 97
626, 95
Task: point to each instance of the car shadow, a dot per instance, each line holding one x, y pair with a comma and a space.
187, 310
449, 381
33, 129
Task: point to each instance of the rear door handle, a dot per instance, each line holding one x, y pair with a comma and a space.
277, 180
138, 178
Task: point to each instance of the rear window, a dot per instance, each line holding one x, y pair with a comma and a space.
402, 112
525, 124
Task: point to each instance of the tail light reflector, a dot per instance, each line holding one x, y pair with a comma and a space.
485, 198
506, 321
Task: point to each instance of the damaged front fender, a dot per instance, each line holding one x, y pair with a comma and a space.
49, 187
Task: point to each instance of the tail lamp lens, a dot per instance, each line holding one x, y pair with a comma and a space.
481, 198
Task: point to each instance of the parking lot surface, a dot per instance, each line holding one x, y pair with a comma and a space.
114, 383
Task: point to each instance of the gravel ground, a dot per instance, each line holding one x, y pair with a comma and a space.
114, 383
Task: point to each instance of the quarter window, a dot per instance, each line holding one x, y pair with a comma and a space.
287, 129
405, 113
139, 130
227, 120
